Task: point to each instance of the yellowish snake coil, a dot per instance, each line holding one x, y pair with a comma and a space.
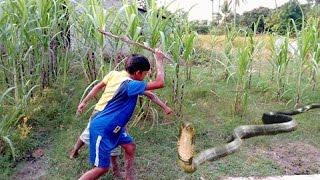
274, 122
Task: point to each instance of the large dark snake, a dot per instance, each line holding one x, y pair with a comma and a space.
274, 122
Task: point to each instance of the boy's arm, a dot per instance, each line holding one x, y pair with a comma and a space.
159, 81
94, 91
156, 100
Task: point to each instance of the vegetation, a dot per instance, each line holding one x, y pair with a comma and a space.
271, 20
51, 54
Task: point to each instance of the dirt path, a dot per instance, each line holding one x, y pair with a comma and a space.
296, 177
35, 167
296, 158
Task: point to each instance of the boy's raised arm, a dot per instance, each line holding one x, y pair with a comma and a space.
94, 91
159, 81
154, 98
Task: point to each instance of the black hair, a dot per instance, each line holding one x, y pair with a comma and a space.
136, 62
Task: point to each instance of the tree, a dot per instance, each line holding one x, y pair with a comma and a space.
236, 3
225, 10
249, 18
313, 1
281, 17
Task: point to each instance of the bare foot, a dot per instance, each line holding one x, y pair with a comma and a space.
73, 154
118, 175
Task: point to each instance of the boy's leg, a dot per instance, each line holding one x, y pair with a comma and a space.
83, 139
74, 152
126, 142
129, 150
99, 156
114, 160
94, 173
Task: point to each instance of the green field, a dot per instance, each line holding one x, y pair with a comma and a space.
51, 54
208, 105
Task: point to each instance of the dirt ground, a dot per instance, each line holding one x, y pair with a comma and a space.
295, 158
35, 167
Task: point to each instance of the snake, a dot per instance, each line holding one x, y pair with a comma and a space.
273, 123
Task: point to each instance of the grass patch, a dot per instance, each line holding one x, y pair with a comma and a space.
207, 104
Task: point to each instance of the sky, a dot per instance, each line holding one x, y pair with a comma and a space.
202, 9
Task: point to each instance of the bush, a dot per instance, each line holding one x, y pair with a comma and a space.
248, 19
201, 27
281, 18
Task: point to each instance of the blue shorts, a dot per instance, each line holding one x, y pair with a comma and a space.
101, 146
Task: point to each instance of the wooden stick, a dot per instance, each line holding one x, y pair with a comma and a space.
129, 41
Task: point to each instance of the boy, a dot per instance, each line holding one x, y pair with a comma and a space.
84, 137
107, 129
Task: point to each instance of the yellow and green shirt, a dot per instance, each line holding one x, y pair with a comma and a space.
113, 81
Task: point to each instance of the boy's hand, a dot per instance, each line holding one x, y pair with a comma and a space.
81, 107
159, 55
168, 111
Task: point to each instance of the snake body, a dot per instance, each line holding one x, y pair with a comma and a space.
273, 123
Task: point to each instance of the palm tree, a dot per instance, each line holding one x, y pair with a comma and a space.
212, 13
236, 3
225, 10
218, 11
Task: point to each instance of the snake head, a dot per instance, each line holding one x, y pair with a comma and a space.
186, 147
187, 128
188, 168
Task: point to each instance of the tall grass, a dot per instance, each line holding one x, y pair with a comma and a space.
315, 50
244, 69
242, 75
231, 34
13, 114
32, 33
307, 40
86, 18
279, 61
29, 36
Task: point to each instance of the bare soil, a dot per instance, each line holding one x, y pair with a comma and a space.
296, 158
35, 167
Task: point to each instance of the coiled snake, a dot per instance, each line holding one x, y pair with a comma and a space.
274, 122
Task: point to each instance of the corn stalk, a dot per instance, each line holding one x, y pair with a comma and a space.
87, 17
243, 64
29, 36
304, 40
279, 61
314, 24
231, 34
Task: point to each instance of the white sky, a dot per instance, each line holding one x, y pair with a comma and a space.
202, 9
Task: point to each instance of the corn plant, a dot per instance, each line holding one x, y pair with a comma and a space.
279, 61
244, 72
153, 28
29, 33
116, 49
231, 34
14, 113
134, 22
188, 44
242, 75
157, 20
87, 17
304, 39
244, 69
177, 84
28, 38
254, 47
315, 50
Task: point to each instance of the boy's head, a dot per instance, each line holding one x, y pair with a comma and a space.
137, 66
